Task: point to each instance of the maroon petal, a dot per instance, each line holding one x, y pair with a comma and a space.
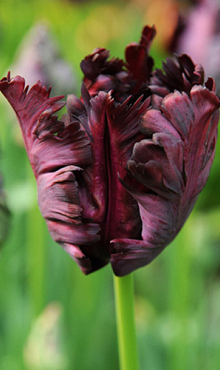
48, 141
97, 64
158, 163
125, 79
139, 63
58, 151
180, 74
132, 254
114, 129
168, 172
102, 73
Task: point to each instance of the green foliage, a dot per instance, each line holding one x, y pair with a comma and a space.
51, 315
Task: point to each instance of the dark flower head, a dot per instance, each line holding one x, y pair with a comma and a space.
118, 177
125, 79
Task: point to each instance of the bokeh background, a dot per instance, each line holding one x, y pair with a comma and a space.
52, 317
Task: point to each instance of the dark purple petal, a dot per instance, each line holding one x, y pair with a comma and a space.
132, 254
180, 74
139, 63
102, 73
169, 171
56, 151
125, 79
114, 130
97, 64
48, 141
154, 166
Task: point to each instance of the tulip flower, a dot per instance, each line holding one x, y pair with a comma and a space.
120, 173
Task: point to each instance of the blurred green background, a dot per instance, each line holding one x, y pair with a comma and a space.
52, 316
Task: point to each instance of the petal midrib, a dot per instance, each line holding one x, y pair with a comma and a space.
111, 180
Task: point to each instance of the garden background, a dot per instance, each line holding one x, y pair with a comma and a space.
52, 317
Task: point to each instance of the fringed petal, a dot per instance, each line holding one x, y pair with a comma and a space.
58, 151
167, 173
114, 129
124, 79
180, 74
48, 141
139, 63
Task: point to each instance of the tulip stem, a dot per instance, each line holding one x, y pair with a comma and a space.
124, 302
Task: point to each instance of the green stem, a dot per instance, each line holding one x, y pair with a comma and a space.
124, 301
